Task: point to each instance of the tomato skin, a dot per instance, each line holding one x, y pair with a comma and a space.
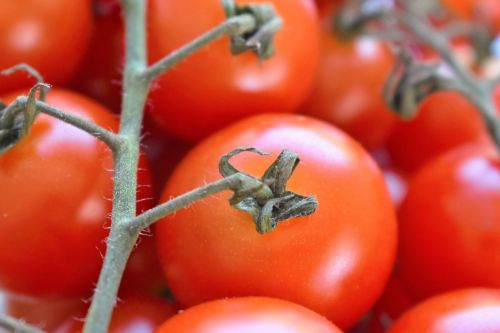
44, 35
133, 315
248, 315
45, 314
461, 311
444, 121
213, 88
334, 262
348, 89
64, 176
100, 74
452, 207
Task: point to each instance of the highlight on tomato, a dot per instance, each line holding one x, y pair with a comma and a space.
449, 230
213, 88
249, 315
461, 311
335, 261
348, 88
55, 202
51, 36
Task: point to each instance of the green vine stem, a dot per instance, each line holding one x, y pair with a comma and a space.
137, 80
16, 325
479, 92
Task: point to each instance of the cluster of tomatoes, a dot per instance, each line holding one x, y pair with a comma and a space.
408, 216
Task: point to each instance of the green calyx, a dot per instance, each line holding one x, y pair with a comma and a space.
261, 40
267, 199
17, 119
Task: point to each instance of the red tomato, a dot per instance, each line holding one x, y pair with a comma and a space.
55, 202
100, 73
143, 274
394, 301
134, 315
462, 311
348, 90
52, 36
444, 121
335, 261
449, 230
213, 88
248, 315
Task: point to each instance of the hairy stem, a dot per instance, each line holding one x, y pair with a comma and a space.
149, 217
108, 137
137, 79
16, 325
237, 25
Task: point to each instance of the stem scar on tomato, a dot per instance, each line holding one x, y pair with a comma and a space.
267, 200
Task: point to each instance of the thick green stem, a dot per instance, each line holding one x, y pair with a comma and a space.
17, 326
477, 91
121, 242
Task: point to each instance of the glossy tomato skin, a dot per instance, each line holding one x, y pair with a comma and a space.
334, 262
248, 315
348, 89
449, 224
444, 121
213, 88
461, 311
133, 315
52, 36
56, 201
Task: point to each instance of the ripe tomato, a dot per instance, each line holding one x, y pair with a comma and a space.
99, 75
395, 180
52, 36
213, 88
143, 274
248, 315
449, 230
55, 202
444, 121
348, 90
335, 261
134, 315
461, 311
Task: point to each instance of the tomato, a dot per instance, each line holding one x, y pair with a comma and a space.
462, 311
485, 11
348, 90
99, 75
134, 315
394, 301
43, 34
449, 230
444, 121
143, 274
55, 203
45, 314
213, 88
248, 315
335, 261
163, 152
